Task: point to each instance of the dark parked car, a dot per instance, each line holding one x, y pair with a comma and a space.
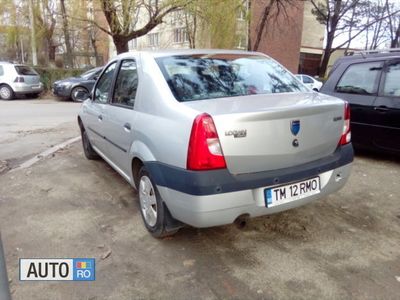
69, 88
370, 82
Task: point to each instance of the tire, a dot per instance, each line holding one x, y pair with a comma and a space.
74, 92
6, 92
155, 214
87, 147
315, 90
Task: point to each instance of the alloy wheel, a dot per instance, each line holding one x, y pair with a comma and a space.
148, 201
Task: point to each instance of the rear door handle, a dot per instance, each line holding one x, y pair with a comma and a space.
381, 108
127, 127
100, 117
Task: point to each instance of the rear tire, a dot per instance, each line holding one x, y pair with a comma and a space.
87, 147
6, 92
155, 214
75, 91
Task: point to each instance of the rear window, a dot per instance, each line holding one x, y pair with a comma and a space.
205, 76
25, 70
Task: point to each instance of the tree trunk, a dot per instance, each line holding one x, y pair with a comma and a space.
121, 44
262, 25
327, 55
68, 57
396, 41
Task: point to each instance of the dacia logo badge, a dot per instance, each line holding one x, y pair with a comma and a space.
295, 127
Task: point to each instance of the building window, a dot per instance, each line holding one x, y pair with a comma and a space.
133, 44
241, 42
153, 39
241, 13
180, 35
176, 17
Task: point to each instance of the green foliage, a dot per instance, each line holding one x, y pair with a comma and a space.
48, 75
219, 18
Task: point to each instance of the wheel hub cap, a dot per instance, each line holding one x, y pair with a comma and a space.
4, 92
148, 202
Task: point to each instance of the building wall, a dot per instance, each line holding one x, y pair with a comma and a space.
312, 42
282, 38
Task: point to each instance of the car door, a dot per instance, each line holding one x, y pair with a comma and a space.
95, 109
387, 108
359, 85
120, 115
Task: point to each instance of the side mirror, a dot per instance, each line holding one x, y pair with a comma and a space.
82, 95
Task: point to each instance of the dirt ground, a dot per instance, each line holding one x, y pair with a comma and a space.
345, 246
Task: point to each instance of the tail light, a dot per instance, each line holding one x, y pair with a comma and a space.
346, 134
19, 79
205, 152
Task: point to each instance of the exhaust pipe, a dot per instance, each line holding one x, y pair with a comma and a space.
241, 221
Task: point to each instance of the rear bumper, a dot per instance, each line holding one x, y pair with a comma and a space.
23, 88
211, 198
221, 209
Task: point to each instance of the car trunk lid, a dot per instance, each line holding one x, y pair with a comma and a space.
258, 133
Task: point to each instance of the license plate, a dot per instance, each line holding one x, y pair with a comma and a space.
291, 192
36, 86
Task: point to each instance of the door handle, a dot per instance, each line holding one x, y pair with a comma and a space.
381, 108
100, 117
127, 127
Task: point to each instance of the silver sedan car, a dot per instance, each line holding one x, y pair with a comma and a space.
210, 137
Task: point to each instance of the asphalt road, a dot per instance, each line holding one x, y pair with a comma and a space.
28, 127
345, 246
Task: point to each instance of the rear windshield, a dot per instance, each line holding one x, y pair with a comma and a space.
199, 77
25, 70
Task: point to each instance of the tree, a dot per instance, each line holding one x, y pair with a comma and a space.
45, 16
69, 61
340, 17
123, 18
394, 25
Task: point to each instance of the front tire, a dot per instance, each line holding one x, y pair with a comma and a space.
155, 214
75, 92
87, 146
6, 92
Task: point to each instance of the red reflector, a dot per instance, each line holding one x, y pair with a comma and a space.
204, 152
346, 134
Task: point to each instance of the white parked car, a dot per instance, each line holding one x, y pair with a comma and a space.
310, 82
208, 137
16, 79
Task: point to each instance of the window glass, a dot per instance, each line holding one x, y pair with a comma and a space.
91, 73
392, 81
1, 71
104, 84
207, 76
126, 84
25, 70
360, 79
307, 79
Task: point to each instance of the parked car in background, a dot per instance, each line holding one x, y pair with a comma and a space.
309, 81
212, 137
370, 82
16, 80
70, 87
